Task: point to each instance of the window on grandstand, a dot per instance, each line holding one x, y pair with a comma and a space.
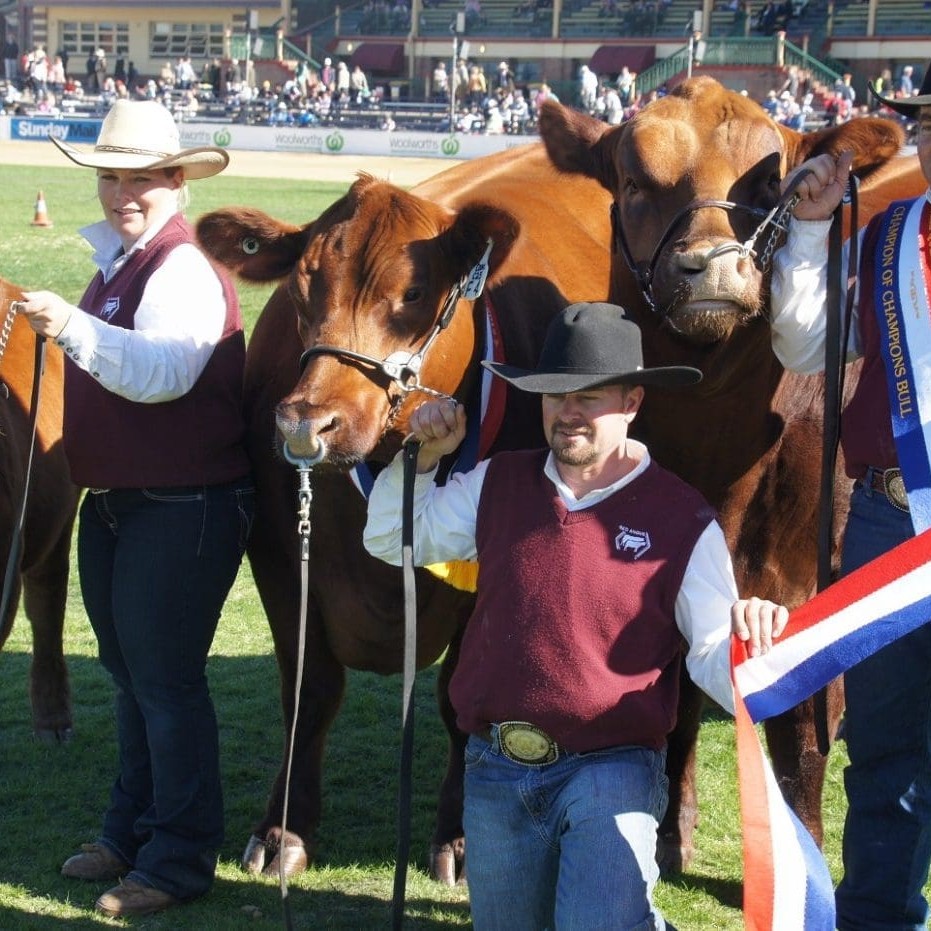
198, 40
85, 38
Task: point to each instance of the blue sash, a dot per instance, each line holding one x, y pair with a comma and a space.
904, 318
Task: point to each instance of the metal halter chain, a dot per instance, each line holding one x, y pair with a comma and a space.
7, 328
776, 220
403, 368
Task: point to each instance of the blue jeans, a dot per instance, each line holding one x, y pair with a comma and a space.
569, 846
887, 834
156, 566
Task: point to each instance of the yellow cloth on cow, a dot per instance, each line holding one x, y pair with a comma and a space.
459, 573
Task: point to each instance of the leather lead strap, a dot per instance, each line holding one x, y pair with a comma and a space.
837, 335
411, 449
16, 545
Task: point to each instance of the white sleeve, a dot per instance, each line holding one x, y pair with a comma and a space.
177, 325
799, 296
444, 516
703, 615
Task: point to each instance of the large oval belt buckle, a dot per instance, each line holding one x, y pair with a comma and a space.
524, 743
895, 488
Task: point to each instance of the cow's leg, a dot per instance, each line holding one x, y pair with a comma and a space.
675, 844
321, 694
277, 579
447, 849
799, 757
45, 593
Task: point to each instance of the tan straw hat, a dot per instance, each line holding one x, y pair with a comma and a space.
143, 134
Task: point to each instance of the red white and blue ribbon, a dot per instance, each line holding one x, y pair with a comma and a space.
787, 885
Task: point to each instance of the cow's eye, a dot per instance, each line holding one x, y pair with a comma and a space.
250, 245
412, 295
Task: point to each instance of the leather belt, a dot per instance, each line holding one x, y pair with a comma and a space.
522, 743
888, 483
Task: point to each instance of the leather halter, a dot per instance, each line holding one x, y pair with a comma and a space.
403, 368
776, 219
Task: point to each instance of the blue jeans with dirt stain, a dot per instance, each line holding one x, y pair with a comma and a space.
568, 846
156, 566
887, 834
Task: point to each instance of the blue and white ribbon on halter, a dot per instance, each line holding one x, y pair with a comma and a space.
904, 317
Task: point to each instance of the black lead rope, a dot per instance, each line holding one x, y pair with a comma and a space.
411, 449
16, 545
837, 334
839, 311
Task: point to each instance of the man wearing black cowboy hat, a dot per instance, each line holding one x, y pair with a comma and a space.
884, 431
596, 565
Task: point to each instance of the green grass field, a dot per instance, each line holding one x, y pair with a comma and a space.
51, 797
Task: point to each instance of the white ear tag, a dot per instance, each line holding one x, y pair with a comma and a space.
475, 283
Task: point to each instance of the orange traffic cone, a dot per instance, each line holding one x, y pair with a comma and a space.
41, 217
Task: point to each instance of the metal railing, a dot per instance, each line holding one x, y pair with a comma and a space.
737, 51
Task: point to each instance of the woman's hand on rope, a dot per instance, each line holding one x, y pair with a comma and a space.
46, 312
822, 189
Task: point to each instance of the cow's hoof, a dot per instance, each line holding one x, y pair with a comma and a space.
447, 862
294, 854
253, 857
54, 735
672, 856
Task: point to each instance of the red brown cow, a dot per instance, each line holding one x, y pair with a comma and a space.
371, 275
749, 435
42, 573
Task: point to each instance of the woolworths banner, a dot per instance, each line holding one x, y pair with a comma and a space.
315, 140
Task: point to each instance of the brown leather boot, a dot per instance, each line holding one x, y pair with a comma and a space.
95, 862
132, 898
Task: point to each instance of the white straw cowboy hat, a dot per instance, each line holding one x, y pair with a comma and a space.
587, 346
143, 134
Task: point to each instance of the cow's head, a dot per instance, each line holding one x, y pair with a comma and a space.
368, 281
692, 176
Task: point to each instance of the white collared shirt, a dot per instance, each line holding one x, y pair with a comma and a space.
445, 519
178, 323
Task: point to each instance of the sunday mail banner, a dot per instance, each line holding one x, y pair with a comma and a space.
314, 140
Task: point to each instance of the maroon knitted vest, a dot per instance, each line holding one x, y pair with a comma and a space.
193, 440
574, 626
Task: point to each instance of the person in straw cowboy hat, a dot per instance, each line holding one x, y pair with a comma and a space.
154, 355
596, 565
887, 833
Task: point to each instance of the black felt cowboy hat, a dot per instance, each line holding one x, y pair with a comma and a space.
908, 106
587, 346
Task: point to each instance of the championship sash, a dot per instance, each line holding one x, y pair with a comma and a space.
902, 312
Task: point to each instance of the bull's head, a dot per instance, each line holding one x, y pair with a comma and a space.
692, 175
368, 282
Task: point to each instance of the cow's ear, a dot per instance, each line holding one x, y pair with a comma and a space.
467, 239
872, 140
577, 143
250, 243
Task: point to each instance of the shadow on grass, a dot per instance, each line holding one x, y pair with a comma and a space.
54, 796
727, 892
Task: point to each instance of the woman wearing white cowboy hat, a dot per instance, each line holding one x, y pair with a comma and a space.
599, 570
153, 429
